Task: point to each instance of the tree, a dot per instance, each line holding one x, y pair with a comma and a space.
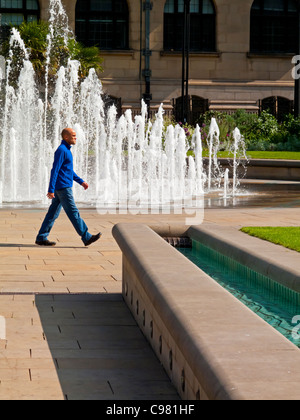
35, 36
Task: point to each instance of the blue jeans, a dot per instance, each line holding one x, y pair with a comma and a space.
64, 199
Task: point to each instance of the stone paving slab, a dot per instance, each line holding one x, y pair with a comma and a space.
76, 347
69, 333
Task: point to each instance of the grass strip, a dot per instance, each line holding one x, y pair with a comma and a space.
273, 155
256, 155
289, 237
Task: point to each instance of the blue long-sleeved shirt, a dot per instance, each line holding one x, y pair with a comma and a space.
62, 174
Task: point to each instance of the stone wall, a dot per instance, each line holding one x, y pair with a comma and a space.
231, 78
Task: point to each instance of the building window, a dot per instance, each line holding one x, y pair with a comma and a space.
14, 12
103, 23
197, 107
277, 106
274, 26
202, 25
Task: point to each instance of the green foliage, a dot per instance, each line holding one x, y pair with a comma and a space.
266, 125
292, 125
226, 123
188, 129
261, 132
88, 57
34, 35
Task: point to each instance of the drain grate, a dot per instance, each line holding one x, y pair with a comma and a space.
179, 242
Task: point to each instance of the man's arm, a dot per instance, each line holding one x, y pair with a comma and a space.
58, 161
80, 181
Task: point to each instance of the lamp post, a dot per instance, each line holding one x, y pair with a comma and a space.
185, 63
147, 73
297, 78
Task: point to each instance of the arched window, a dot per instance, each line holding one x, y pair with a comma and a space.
103, 23
202, 25
277, 106
197, 107
274, 26
17, 11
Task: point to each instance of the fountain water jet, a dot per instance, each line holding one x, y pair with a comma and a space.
226, 183
213, 144
238, 151
127, 162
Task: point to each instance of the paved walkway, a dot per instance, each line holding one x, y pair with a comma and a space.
69, 334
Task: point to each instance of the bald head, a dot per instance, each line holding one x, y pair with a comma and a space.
69, 135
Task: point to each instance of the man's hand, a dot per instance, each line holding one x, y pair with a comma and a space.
50, 196
85, 185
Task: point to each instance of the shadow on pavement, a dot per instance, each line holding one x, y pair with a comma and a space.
99, 351
8, 245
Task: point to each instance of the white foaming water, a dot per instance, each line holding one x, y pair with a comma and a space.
226, 183
213, 145
128, 161
238, 151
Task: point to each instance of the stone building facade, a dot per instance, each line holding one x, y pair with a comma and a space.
231, 74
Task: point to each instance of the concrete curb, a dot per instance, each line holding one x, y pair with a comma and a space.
210, 344
271, 169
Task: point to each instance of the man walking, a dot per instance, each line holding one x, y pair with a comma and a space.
61, 194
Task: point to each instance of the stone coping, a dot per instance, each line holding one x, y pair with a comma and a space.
219, 349
270, 169
277, 163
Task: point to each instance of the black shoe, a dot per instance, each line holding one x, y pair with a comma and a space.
93, 239
45, 243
